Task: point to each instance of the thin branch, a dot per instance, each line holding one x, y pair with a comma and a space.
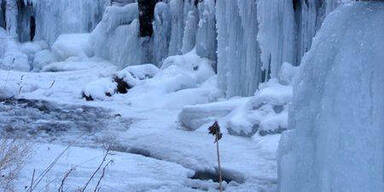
61, 188
102, 176
32, 180
94, 173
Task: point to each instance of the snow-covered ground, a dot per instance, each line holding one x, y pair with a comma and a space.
152, 149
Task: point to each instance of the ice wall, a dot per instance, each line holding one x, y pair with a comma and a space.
337, 137
239, 66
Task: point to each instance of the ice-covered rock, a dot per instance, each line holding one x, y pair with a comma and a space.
140, 72
192, 117
99, 89
200, 68
338, 107
72, 45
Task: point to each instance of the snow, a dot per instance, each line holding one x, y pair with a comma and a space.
72, 45
337, 138
144, 71
234, 62
43, 58
128, 171
265, 113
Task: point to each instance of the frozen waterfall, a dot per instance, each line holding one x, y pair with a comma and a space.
336, 121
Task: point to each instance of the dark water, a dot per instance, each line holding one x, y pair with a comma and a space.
34, 118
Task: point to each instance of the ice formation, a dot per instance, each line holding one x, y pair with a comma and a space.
239, 66
162, 32
336, 138
47, 19
116, 37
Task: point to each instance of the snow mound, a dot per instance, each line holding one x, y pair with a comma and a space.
337, 107
140, 72
72, 45
265, 113
99, 89
43, 58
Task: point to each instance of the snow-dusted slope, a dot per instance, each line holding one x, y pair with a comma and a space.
337, 118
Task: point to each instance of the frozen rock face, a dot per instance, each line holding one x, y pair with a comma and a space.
239, 65
338, 105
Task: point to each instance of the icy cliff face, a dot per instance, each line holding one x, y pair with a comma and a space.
337, 137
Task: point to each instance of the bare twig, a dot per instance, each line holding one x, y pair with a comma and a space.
53, 82
32, 180
52, 164
215, 130
61, 188
94, 173
97, 188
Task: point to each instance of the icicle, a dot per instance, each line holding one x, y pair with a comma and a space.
206, 35
162, 31
177, 14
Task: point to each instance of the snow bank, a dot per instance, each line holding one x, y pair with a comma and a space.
72, 45
338, 107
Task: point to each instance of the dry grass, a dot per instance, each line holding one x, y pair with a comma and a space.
13, 154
